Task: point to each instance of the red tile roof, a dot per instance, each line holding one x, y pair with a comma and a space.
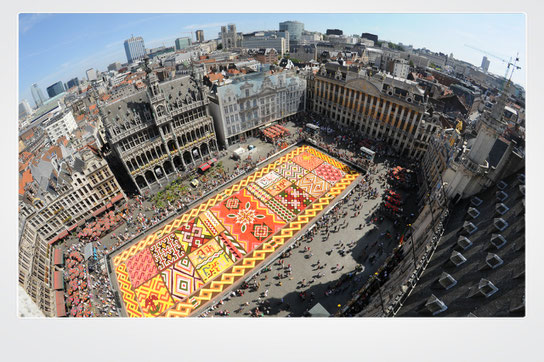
215, 76
26, 155
62, 140
28, 134
23, 165
25, 178
53, 149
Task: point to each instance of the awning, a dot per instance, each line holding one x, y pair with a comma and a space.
54, 240
63, 234
61, 307
204, 167
109, 205
58, 280
117, 197
99, 211
59, 257
72, 227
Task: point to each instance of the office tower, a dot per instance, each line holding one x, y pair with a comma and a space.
199, 36
74, 82
295, 29
182, 43
134, 49
37, 95
485, 64
115, 66
24, 109
55, 89
369, 36
91, 74
334, 32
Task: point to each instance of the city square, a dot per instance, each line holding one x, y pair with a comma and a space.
286, 173
232, 233
293, 183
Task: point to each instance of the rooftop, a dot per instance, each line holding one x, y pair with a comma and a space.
490, 270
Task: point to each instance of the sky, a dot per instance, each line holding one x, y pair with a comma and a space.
59, 47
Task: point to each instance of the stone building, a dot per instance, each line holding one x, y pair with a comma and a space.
440, 153
267, 56
62, 124
376, 105
161, 130
60, 196
229, 37
63, 195
486, 159
240, 107
34, 272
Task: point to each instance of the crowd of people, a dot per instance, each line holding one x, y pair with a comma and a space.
332, 221
94, 294
140, 213
77, 297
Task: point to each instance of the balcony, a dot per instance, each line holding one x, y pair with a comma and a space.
188, 107
159, 121
130, 131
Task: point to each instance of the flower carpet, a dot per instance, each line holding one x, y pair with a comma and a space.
176, 270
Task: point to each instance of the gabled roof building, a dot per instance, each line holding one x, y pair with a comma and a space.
160, 130
375, 105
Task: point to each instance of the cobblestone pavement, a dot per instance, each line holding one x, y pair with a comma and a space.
283, 298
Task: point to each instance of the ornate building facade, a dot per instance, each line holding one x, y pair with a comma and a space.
376, 105
249, 102
62, 196
160, 131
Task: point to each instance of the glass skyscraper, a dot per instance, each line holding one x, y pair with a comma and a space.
134, 49
55, 89
37, 94
295, 29
182, 43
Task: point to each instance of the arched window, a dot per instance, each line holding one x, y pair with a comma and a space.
160, 111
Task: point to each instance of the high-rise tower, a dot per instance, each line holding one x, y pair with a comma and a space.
37, 95
134, 49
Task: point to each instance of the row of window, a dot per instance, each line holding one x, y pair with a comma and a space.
189, 116
138, 138
68, 206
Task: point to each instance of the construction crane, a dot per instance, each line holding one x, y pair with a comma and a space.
188, 32
509, 64
488, 53
514, 68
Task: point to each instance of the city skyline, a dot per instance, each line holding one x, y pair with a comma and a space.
59, 47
